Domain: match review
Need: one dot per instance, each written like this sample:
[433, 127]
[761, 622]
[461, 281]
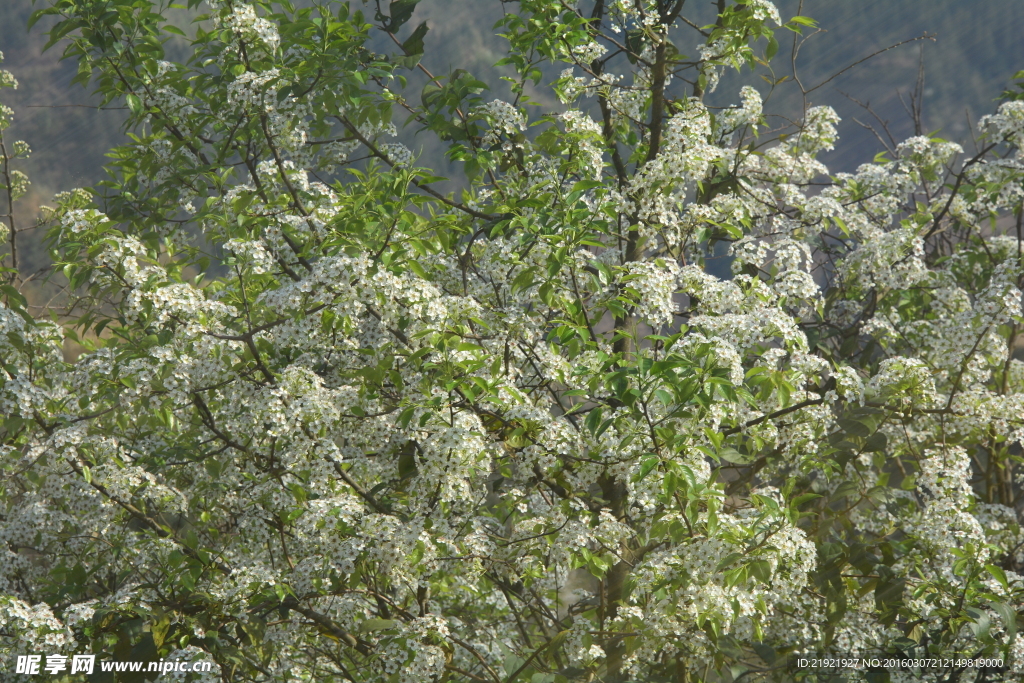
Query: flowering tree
[519, 433]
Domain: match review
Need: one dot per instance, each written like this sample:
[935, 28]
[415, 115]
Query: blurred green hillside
[977, 48]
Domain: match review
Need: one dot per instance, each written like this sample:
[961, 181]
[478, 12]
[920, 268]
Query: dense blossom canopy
[521, 432]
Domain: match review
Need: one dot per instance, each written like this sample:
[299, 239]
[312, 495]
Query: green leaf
[998, 574]
[557, 642]
[635, 44]
[159, 630]
[37, 15]
[406, 416]
[847, 488]
[407, 467]
[854, 427]
[876, 443]
[766, 653]
[729, 560]
[889, 591]
[370, 625]
[134, 103]
[401, 12]
[735, 457]
[646, 467]
[981, 624]
[1009, 616]
[413, 45]
[803, 498]
[761, 570]
[524, 280]
[803, 21]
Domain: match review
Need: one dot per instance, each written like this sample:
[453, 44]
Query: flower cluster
[243, 20]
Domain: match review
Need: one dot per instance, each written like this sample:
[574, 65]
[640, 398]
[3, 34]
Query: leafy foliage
[386, 433]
